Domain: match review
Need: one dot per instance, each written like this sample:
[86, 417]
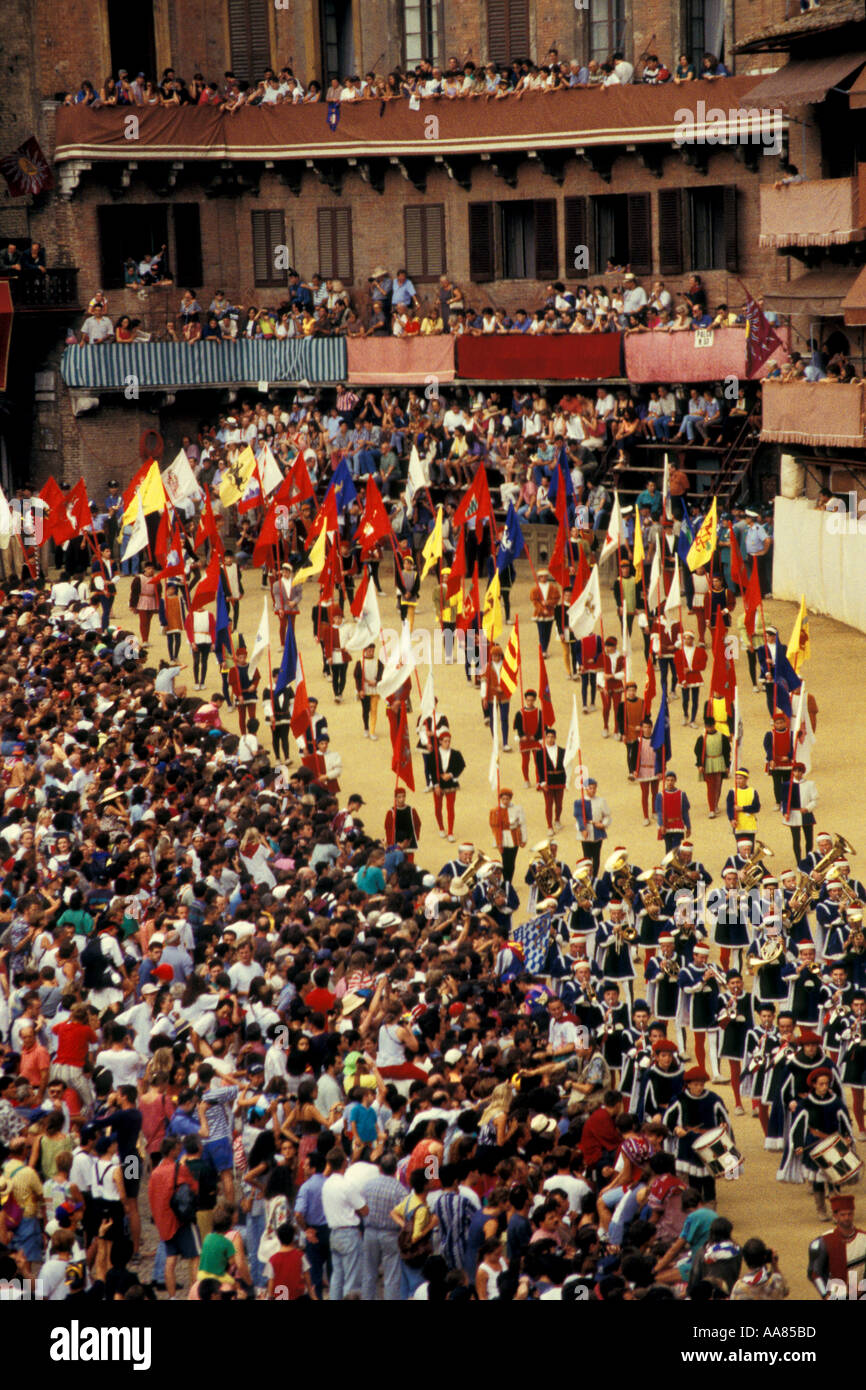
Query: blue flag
[511, 543]
[786, 680]
[289, 663]
[333, 114]
[342, 486]
[686, 538]
[661, 734]
[222, 621]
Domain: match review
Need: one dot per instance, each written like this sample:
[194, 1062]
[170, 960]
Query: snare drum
[717, 1150]
[837, 1159]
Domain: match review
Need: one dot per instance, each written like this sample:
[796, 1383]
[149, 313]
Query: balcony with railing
[54, 291]
[816, 212]
[814, 412]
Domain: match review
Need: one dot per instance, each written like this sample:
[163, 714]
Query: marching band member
[772, 976]
[779, 754]
[741, 857]
[799, 931]
[735, 1020]
[637, 1054]
[728, 908]
[662, 981]
[403, 825]
[799, 799]
[612, 949]
[450, 765]
[852, 1057]
[455, 867]
[818, 1115]
[497, 899]
[699, 986]
[672, 813]
[807, 985]
[837, 993]
[615, 1021]
[580, 994]
[688, 930]
[610, 680]
[648, 769]
[690, 662]
[552, 778]
[823, 845]
[582, 917]
[592, 818]
[494, 693]
[695, 1111]
[829, 921]
[649, 921]
[762, 1042]
[837, 1258]
[713, 759]
[544, 597]
[565, 898]
[528, 725]
[844, 870]
[508, 823]
[664, 1081]
[742, 806]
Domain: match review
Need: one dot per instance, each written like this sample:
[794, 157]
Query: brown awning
[804, 81]
[854, 303]
[818, 292]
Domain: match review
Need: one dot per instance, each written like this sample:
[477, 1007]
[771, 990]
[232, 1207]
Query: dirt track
[781, 1214]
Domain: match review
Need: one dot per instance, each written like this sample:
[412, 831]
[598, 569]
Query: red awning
[593, 357]
[6, 312]
[804, 81]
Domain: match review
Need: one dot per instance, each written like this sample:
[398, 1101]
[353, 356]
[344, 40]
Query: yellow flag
[317, 558]
[704, 542]
[234, 484]
[638, 543]
[491, 617]
[152, 495]
[433, 545]
[799, 645]
[720, 710]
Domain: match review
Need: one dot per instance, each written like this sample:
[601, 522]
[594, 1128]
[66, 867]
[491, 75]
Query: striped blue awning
[116, 366]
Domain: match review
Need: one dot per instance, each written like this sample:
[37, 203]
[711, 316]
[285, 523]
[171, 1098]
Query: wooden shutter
[670, 207]
[507, 30]
[546, 248]
[729, 208]
[335, 244]
[249, 38]
[579, 231]
[640, 254]
[424, 225]
[481, 263]
[269, 232]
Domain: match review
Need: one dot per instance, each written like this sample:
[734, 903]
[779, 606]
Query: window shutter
[435, 241]
[335, 244]
[640, 233]
[481, 265]
[729, 206]
[546, 248]
[413, 218]
[326, 241]
[269, 232]
[249, 38]
[507, 30]
[670, 207]
[518, 28]
[578, 233]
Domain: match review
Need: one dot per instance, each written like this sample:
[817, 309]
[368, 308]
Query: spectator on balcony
[192, 329]
[381, 286]
[634, 298]
[10, 261]
[97, 328]
[724, 318]
[211, 331]
[696, 409]
[313, 93]
[712, 68]
[790, 174]
[624, 70]
[123, 89]
[684, 70]
[660, 298]
[578, 74]
[126, 330]
[681, 322]
[654, 72]
[299, 293]
[189, 305]
[108, 92]
[33, 259]
[608, 75]
[138, 89]
[403, 293]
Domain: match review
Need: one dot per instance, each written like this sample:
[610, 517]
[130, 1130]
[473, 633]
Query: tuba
[834, 876]
[584, 893]
[650, 895]
[840, 849]
[754, 870]
[479, 866]
[802, 898]
[616, 865]
[548, 875]
[675, 870]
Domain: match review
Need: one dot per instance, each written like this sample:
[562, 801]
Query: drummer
[695, 1111]
[821, 1115]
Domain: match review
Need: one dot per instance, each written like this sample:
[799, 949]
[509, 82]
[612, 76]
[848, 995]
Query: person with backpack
[172, 1192]
[26, 1196]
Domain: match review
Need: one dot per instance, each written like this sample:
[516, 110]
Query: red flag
[160, 543]
[268, 540]
[649, 693]
[723, 681]
[174, 542]
[581, 578]
[558, 564]
[761, 339]
[206, 589]
[356, 607]
[548, 713]
[251, 500]
[476, 503]
[26, 170]
[332, 573]
[296, 486]
[72, 516]
[300, 711]
[326, 516]
[375, 525]
[207, 529]
[752, 597]
[137, 479]
[471, 605]
[401, 760]
[739, 573]
[52, 494]
[455, 579]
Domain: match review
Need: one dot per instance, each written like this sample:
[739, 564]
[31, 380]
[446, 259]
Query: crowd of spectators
[425, 82]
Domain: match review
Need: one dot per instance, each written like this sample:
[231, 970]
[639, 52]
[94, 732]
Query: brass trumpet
[624, 933]
[669, 966]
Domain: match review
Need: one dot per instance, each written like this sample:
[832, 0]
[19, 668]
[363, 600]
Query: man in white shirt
[564, 1036]
[343, 1207]
[634, 297]
[63, 593]
[244, 970]
[623, 71]
[96, 329]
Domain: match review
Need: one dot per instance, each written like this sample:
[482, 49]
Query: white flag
[6, 524]
[427, 708]
[399, 666]
[666, 490]
[493, 774]
[263, 637]
[585, 612]
[804, 734]
[626, 645]
[179, 480]
[138, 535]
[654, 581]
[355, 635]
[674, 598]
[735, 727]
[269, 471]
[614, 531]
[417, 478]
[572, 743]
